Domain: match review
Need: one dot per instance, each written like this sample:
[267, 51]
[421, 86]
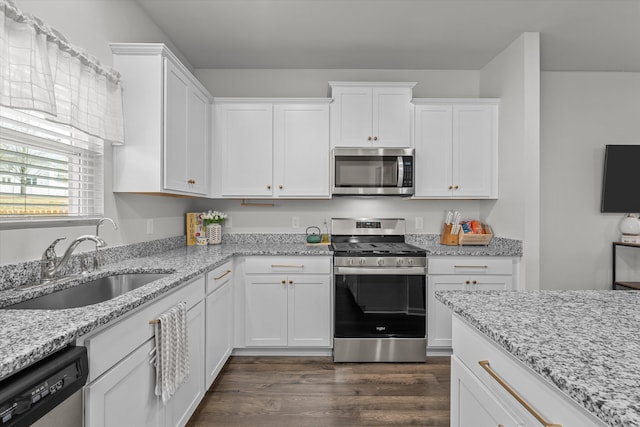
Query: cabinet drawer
[288, 265]
[471, 347]
[111, 345]
[219, 276]
[470, 265]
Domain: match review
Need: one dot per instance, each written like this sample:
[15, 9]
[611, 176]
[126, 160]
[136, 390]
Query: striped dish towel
[172, 351]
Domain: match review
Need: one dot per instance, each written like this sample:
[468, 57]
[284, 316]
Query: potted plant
[212, 221]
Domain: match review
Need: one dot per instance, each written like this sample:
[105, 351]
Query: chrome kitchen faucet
[96, 258]
[50, 266]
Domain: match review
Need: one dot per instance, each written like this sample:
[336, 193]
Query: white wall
[92, 25]
[514, 77]
[581, 113]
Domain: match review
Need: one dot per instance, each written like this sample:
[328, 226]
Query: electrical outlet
[295, 222]
[150, 226]
[227, 222]
[419, 223]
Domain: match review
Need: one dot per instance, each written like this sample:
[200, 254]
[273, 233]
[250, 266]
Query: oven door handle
[397, 271]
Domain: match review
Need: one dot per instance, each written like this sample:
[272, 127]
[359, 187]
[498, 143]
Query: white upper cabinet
[456, 148]
[272, 148]
[365, 114]
[167, 123]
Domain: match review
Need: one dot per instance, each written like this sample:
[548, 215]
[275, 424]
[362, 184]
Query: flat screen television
[620, 184]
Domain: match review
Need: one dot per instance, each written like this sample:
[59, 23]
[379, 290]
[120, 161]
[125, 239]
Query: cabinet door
[472, 404]
[176, 100]
[197, 141]
[266, 311]
[186, 399]
[124, 395]
[391, 117]
[301, 150]
[245, 135]
[351, 117]
[474, 150]
[309, 310]
[433, 150]
[219, 330]
[439, 315]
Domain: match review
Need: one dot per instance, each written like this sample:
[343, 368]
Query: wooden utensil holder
[446, 238]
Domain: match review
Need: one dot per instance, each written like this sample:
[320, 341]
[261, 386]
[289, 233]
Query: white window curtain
[41, 71]
[58, 105]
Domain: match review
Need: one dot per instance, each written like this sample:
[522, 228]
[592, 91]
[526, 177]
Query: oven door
[380, 302]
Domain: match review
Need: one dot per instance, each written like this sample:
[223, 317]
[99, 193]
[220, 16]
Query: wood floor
[313, 391]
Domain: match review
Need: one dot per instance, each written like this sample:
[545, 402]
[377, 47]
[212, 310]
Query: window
[58, 106]
[47, 170]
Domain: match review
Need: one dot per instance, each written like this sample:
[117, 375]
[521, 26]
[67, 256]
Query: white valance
[41, 71]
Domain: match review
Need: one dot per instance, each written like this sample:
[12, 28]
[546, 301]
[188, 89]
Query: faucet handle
[50, 252]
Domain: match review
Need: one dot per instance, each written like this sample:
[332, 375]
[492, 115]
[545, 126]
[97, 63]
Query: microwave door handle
[400, 171]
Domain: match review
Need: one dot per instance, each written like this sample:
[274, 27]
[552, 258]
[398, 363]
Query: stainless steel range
[380, 292]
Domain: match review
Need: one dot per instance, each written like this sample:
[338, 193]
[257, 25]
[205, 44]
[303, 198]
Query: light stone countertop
[585, 343]
[27, 336]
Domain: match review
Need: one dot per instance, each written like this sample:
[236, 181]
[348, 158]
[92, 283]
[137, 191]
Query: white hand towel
[172, 351]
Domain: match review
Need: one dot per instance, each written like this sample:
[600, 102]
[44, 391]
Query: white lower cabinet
[478, 399]
[456, 274]
[219, 324]
[121, 388]
[125, 395]
[290, 306]
[475, 405]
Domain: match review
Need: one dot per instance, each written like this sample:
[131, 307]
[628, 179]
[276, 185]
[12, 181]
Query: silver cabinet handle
[287, 265]
[223, 274]
[512, 392]
[470, 266]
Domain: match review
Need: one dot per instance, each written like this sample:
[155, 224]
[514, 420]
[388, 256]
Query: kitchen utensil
[313, 237]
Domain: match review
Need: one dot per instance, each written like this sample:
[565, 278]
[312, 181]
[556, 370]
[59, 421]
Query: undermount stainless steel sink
[92, 292]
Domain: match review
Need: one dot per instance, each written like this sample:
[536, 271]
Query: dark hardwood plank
[313, 391]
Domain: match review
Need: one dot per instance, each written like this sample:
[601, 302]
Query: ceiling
[575, 35]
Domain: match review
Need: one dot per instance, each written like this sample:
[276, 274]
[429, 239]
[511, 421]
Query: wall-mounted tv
[621, 179]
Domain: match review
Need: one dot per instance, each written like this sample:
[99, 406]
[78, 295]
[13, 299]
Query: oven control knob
[350, 261]
[362, 261]
[380, 261]
[400, 261]
[410, 261]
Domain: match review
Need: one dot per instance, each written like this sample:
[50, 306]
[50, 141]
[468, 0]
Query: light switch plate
[150, 226]
[295, 222]
[419, 223]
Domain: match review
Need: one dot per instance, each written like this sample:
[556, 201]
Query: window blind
[48, 170]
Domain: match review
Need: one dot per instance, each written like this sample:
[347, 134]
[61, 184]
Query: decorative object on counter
[313, 237]
[212, 221]
[195, 227]
[325, 232]
[469, 232]
[202, 241]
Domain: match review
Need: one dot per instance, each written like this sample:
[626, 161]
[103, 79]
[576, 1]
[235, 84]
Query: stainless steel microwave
[372, 171]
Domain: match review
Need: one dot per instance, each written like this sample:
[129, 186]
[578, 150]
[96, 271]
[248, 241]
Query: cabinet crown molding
[238, 100]
[455, 101]
[373, 84]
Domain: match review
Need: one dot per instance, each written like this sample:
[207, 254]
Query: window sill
[21, 223]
